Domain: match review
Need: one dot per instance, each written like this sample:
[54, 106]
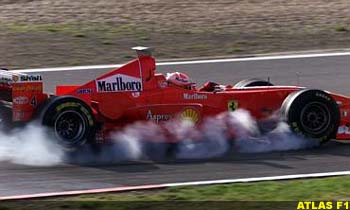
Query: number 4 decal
[33, 102]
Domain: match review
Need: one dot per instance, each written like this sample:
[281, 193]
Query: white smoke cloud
[240, 130]
[279, 139]
[277, 135]
[208, 141]
[29, 146]
[237, 131]
[124, 145]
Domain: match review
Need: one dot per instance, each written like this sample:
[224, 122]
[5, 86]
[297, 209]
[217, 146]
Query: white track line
[177, 184]
[279, 57]
[260, 179]
[71, 68]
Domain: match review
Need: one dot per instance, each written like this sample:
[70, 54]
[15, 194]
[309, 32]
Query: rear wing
[23, 92]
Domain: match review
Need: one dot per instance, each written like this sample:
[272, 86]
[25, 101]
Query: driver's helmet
[179, 79]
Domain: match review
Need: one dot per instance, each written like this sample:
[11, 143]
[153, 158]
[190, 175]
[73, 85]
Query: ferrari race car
[88, 113]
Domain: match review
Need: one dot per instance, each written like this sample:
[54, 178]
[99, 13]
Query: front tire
[71, 120]
[312, 113]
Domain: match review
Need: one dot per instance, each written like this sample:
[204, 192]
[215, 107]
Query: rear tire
[312, 113]
[252, 83]
[5, 117]
[71, 120]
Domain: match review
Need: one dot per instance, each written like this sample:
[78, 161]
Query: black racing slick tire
[71, 120]
[5, 117]
[312, 113]
[252, 83]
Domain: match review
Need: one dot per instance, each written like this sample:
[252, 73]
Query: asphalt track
[331, 73]
[328, 73]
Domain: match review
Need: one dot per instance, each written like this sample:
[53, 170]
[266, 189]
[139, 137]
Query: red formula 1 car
[135, 92]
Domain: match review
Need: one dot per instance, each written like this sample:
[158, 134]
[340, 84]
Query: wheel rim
[70, 127]
[315, 118]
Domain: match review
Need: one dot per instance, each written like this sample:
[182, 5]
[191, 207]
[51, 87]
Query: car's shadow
[105, 160]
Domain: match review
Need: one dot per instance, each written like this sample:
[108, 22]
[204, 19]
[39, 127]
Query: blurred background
[48, 33]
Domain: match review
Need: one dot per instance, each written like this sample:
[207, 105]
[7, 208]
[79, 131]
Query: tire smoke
[239, 132]
[32, 145]
[124, 145]
[279, 139]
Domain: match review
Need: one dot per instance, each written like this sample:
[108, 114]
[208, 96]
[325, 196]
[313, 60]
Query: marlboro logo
[119, 83]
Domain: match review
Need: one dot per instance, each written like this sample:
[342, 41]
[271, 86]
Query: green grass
[309, 189]
[234, 50]
[341, 28]
[75, 29]
[78, 43]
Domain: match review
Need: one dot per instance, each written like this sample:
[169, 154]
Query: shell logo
[15, 78]
[190, 114]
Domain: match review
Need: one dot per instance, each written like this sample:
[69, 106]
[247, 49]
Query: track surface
[331, 73]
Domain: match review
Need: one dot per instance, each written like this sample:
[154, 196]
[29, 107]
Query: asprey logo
[157, 117]
[119, 83]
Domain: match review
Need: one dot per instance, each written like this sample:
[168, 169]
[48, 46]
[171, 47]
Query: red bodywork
[136, 92]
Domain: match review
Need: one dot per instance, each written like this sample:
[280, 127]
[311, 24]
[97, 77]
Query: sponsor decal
[67, 104]
[88, 115]
[195, 96]
[20, 100]
[163, 84]
[232, 105]
[157, 117]
[18, 115]
[321, 95]
[85, 91]
[5, 80]
[27, 88]
[190, 114]
[136, 94]
[344, 129]
[15, 78]
[27, 78]
[119, 83]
